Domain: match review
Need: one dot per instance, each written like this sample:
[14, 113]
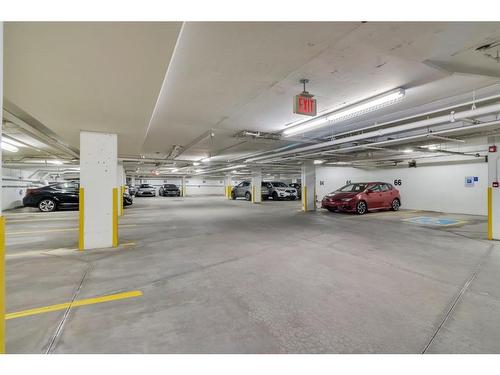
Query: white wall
[14, 185]
[194, 185]
[433, 188]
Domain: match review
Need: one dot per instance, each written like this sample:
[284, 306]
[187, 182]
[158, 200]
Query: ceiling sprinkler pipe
[388, 131]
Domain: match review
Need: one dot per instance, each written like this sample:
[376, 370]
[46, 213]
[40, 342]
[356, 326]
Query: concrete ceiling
[91, 76]
[228, 77]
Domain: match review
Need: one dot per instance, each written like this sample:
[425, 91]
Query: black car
[63, 195]
[169, 190]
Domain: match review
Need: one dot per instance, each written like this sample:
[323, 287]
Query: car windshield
[168, 186]
[279, 184]
[353, 188]
[146, 186]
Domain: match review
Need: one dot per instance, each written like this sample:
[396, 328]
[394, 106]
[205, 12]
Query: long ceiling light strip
[352, 111]
[8, 147]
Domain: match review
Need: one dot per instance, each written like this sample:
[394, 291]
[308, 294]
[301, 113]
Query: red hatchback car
[363, 196]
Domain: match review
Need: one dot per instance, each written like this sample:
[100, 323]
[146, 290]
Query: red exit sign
[304, 105]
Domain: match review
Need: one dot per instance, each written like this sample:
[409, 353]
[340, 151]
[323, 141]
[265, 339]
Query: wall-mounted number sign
[304, 104]
[398, 182]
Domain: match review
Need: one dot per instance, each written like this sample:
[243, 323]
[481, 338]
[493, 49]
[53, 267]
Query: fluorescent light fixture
[407, 150]
[12, 142]
[305, 126]
[198, 170]
[9, 147]
[319, 161]
[196, 163]
[432, 147]
[174, 170]
[352, 111]
[56, 162]
[205, 160]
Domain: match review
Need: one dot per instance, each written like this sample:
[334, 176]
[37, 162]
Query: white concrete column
[2, 219]
[183, 187]
[493, 192]
[228, 184]
[120, 184]
[256, 185]
[98, 191]
[308, 180]
[132, 181]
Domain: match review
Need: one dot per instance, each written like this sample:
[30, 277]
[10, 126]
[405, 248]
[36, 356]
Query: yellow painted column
[81, 219]
[304, 198]
[122, 212]
[115, 217]
[490, 213]
[2, 285]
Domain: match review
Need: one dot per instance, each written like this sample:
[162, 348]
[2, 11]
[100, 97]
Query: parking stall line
[83, 302]
[59, 230]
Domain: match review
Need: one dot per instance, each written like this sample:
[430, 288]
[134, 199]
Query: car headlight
[346, 199]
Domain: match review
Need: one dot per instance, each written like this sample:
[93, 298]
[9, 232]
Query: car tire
[395, 204]
[265, 197]
[292, 198]
[275, 196]
[47, 205]
[233, 195]
[361, 208]
[331, 209]
[248, 196]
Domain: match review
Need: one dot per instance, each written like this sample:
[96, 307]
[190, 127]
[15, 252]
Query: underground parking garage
[321, 201]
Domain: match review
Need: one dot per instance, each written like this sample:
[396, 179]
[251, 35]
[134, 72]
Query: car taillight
[30, 192]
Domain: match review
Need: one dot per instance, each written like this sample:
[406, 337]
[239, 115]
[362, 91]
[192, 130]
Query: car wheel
[292, 198]
[395, 204]
[361, 207]
[265, 197]
[275, 196]
[233, 195]
[248, 196]
[47, 205]
[331, 209]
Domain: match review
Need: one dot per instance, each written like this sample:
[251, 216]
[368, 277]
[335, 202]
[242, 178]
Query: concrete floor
[222, 276]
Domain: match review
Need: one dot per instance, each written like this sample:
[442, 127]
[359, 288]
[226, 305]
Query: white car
[280, 190]
[146, 190]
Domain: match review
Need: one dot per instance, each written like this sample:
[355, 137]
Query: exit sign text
[304, 105]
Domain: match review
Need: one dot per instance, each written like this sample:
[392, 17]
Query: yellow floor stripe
[59, 230]
[83, 302]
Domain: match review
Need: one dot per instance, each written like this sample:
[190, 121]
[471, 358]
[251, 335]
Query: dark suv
[63, 195]
[169, 190]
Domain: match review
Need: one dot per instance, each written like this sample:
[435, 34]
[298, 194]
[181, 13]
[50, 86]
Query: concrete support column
[256, 185]
[132, 181]
[2, 219]
[308, 180]
[99, 203]
[493, 190]
[229, 185]
[183, 187]
[120, 185]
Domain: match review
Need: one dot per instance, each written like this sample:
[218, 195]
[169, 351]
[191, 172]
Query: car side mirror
[369, 191]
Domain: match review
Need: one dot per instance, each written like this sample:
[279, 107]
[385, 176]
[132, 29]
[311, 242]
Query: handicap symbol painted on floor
[427, 220]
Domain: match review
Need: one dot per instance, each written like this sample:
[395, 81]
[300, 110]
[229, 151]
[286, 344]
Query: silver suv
[280, 190]
[244, 190]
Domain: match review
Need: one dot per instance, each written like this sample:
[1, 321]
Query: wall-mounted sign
[469, 181]
[304, 104]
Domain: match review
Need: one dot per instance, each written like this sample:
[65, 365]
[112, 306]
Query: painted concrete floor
[221, 276]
